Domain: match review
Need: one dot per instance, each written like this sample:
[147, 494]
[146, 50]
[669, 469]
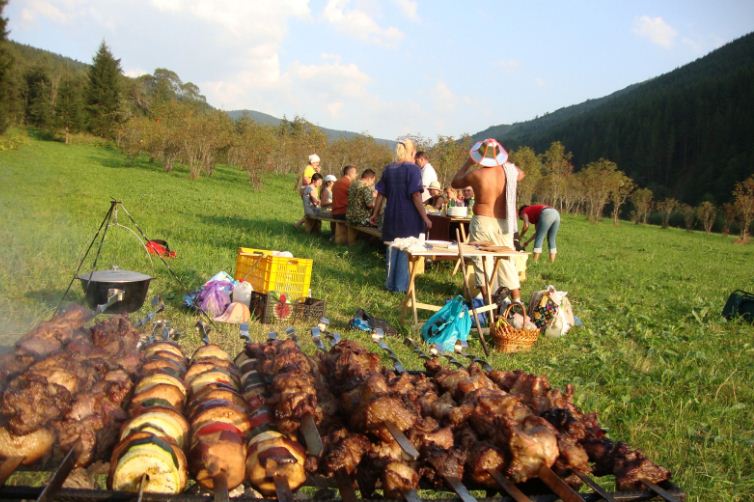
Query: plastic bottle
[242, 292]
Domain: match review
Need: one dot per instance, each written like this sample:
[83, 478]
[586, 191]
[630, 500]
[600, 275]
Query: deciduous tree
[556, 167]
[666, 208]
[447, 155]
[252, 149]
[729, 216]
[706, 212]
[689, 216]
[528, 160]
[743, 199]
[598, 179]
[641, 199]
[622, 188]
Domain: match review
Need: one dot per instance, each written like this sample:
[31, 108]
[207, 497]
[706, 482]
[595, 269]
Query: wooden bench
[345, 233]
[354, 231]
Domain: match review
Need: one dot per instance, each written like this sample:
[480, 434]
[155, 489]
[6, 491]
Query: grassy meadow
[665, 372]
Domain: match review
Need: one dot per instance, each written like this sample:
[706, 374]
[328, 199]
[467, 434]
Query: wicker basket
[263, 307]
[510, 339]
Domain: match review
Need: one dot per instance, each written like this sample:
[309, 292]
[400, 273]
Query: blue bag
[452, 322]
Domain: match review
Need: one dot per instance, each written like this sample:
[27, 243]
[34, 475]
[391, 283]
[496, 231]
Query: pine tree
[69, 108]
[39, 111]
[6, 62]
[103, 93]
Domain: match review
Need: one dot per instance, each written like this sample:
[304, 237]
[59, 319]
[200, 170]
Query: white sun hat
[313, 158]
[330, 177]
[488, 153]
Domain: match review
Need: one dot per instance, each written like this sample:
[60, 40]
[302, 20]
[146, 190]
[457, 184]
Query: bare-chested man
[494, 182]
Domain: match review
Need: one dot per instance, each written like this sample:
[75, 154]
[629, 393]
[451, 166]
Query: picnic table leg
[413, 266]
[489, 280]
[467, 288]
[462, 238]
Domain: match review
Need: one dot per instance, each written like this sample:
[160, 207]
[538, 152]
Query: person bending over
[546, 221]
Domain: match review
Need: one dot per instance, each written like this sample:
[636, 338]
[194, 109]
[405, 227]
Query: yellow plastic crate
[266, 273]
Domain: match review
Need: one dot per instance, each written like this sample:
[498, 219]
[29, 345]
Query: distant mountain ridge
[332, 134]
[688, 133]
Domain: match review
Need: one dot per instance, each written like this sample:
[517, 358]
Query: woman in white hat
[325, 195]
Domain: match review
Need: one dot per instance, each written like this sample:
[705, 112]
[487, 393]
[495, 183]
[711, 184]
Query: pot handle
[114, 295]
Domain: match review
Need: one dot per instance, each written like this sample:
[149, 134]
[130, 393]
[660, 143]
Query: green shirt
[360, 201]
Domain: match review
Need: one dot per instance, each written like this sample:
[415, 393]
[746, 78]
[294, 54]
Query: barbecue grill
[534, 492]
[545, 485]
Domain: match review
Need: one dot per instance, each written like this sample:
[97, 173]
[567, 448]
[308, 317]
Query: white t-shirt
[428, 176]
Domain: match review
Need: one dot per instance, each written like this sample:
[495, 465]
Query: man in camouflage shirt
[361, 199]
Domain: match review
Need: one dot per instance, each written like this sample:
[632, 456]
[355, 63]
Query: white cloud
[409, 8]
[47, 9]
[540, 82]
[359, 24]
[134, 72]
[335, 108]
[511, 65]
[656, 30]
[443, 97]
[241, 19]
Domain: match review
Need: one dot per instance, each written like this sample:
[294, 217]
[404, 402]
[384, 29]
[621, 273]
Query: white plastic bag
[563, 321]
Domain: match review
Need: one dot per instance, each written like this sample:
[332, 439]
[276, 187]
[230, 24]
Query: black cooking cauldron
[115, 291]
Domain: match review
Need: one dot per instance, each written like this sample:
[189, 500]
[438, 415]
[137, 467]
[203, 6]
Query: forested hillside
[332, 134]
[686, 134]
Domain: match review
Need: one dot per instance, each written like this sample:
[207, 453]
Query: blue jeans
[397, 270]
[548, 224]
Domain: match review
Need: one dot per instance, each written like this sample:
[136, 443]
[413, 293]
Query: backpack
[740, 303]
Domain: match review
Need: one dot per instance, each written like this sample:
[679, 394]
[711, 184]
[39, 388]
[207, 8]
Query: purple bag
[214, 297]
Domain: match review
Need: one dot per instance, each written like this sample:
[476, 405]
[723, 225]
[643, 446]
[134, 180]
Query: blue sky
[390, 67]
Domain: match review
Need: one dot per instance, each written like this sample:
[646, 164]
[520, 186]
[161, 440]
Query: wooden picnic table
[462, 252]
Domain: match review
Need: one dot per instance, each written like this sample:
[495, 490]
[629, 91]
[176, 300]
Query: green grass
[665, 372]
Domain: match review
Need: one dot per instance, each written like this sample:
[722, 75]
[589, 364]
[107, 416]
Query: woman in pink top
[546, 219]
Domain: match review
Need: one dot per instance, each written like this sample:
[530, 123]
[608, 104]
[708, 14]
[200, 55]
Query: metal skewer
[345, 486]
[244, 332]
[334, 337]
[557, 485]
[412, 496]
[58, 477]
[220, 488]
[416, 348]
[460, 489]
[378, 336]
[509, 487]
[311, 435]
[142, 486]
[316, 333]
[594, 486]
[660, 491]
[157, 306]
[282, 490]
[406, 445]
[204, 331]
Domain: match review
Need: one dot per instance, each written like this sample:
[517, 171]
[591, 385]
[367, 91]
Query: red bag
[160, 248]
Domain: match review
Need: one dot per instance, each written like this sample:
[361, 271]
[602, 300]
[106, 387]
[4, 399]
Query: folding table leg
[489, 280]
